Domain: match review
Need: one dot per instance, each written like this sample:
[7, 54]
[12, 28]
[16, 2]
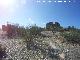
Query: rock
[47, 33]
[62, 56]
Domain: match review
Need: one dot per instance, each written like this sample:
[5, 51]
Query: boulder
[47, 33]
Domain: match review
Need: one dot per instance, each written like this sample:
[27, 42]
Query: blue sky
[29, 12]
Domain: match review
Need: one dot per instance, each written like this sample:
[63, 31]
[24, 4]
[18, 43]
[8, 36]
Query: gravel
[45, 48]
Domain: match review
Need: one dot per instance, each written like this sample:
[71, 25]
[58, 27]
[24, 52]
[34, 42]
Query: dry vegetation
[36, 43]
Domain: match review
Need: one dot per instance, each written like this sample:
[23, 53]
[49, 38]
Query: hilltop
[36, 43]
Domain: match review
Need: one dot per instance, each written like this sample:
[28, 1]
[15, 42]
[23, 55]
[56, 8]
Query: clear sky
[39, 12]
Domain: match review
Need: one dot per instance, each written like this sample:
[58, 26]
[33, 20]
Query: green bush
[53, 26]
[72, 37]
[29, 33]
[35, 30]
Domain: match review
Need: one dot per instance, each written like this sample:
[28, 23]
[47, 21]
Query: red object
[10, 29]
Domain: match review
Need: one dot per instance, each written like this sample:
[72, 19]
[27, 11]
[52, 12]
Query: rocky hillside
[46, 47]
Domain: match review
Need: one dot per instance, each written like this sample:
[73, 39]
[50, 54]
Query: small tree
[49, 26]
[35, 30]
[54, 27]
[57, 24]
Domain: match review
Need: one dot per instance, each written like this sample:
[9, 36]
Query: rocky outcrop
[47, 33]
